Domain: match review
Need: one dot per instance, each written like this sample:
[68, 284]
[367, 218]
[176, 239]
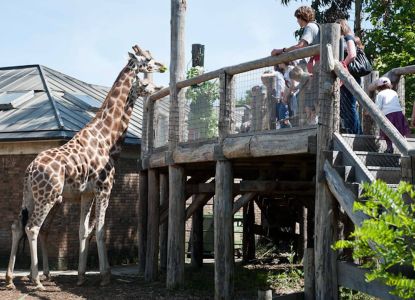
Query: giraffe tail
[24, 217]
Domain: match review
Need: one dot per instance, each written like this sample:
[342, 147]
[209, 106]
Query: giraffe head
[143, 62]
[143, 87]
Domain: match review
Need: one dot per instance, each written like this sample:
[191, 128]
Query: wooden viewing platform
[237, 168]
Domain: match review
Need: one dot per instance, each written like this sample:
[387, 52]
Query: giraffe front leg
[104, 269]
[17, 233]
[84, 232]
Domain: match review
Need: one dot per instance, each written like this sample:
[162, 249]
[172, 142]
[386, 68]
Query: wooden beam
[248, 236]
[196, 256]
[242, 201]
[194, 153]
[353, 277]
[309, 279]
[289, 141]
[223, 231]
[325, 225]
[142, 221]
[343, 195]
[164, 200]
[270, 185]
[200, 188]
[152, 253]
[176, 237]
[199, 201]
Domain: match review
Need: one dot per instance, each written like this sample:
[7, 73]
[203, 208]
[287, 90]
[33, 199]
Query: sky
[89, 39]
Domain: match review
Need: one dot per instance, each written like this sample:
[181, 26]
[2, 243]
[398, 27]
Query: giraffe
[82, 168]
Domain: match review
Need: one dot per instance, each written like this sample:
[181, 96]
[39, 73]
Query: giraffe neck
[114, 115]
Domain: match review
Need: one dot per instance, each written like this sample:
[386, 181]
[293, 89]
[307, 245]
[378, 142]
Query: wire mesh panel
[269, 99]
[202, 111]
[161, 122]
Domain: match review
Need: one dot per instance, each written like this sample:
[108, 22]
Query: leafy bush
[385, 241]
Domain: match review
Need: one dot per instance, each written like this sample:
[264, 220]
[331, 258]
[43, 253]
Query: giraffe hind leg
[43, 236]
[17, 235]
[32, 231]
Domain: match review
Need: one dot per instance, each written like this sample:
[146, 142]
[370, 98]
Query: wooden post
[309, 274]
[198, 59]
[248, 236]
[198, 55]
[164, 199]
[197, 237]
[176, 238]
[226, 106]
[325, 257]
[269, 107]
[151, 271]
[223, 205]
[142, 221]
[175, 241]
[400, 89]
[223, 231]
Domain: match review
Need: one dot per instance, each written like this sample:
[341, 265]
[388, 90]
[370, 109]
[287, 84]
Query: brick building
[41, 108]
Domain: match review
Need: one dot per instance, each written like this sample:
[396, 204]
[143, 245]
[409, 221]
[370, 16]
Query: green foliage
[201, 97]
[390, 41]
[348, 294]
[246, 99]
[328, 11]
[386, 238]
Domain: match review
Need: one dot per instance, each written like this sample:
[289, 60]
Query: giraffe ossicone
[82, 168]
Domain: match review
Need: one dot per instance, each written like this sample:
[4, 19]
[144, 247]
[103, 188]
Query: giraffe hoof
[40, 287]
[106, 279]
[10, 286]
[81, 280]
[46, 277]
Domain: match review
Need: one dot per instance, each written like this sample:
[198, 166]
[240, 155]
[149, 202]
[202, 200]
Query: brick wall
[121, 218]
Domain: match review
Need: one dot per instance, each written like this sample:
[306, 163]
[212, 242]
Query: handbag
[361, 65]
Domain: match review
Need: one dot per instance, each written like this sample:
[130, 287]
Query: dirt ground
[64, 287]
[199, 285]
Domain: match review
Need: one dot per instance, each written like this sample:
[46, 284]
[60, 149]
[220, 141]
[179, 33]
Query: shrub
[385, 241]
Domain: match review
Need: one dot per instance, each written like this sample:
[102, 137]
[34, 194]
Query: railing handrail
[240, 68]
[371, 107]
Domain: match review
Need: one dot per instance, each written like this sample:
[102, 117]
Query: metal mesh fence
[267, 99]
[202, 111]
[161, 122]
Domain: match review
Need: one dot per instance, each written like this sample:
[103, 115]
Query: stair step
[335, 157]
[390, 175]
[346, 173]
[362, 142]
[379, 159]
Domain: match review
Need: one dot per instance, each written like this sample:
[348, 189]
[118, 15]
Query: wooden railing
[371, 108]
[244, 67]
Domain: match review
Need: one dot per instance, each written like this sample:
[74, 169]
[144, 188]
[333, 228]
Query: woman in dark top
[350, 122]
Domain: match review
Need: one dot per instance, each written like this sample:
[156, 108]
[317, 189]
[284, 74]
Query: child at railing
[388, 102]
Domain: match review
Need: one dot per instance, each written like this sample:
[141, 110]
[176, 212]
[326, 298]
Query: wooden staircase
[354, 160]
[361, 158]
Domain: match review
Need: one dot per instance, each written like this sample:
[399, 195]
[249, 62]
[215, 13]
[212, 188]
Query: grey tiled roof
[37, 102]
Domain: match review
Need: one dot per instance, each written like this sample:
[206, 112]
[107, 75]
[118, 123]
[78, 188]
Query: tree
[328, 11]
[391, 40]
[203, 119]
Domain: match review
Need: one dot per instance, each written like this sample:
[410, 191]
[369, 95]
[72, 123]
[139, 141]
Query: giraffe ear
[130, 55]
